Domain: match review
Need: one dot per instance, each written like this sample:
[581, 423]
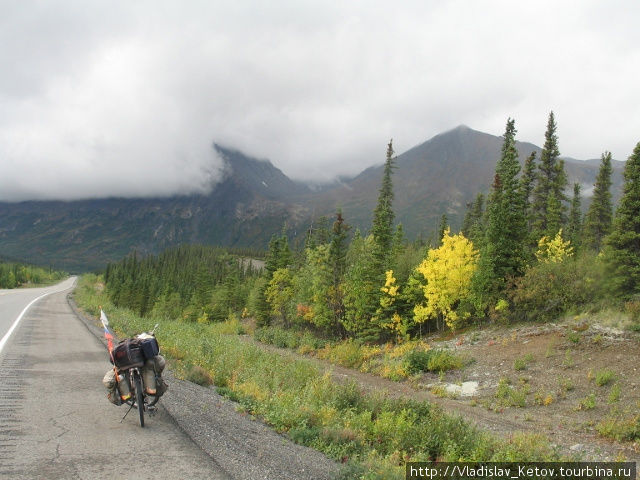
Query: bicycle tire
[139, 396]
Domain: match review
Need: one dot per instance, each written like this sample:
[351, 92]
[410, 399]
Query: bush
[348, 354]
[197, 374]
[432, 361]
[510, 397]
[621, 429]
[521, 363]
[547, 290]
[604, 377]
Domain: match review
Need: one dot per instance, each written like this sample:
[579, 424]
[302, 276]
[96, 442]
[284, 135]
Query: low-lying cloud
[126, 99]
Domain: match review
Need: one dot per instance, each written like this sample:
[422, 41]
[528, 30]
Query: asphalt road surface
[55, 422]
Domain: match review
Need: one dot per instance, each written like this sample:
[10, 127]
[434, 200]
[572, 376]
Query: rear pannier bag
[128, 354]
[149, 346]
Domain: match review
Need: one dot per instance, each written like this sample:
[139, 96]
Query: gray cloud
[126, 98]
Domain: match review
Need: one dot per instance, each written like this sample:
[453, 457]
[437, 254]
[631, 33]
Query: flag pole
[107, 334]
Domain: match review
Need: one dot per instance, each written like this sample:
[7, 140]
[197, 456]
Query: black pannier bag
[128, 354]
[149, 346]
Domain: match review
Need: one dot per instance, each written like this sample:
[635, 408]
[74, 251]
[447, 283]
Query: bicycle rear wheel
[139, 396]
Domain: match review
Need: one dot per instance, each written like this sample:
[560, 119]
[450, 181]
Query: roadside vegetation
[525, 255]
[16, 275]
[371, 434]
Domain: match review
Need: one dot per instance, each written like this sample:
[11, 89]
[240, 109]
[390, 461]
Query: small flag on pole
[107, 334]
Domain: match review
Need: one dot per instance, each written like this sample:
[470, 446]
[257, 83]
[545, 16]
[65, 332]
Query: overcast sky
[126, 97]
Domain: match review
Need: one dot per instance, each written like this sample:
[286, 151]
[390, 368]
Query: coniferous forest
[525, 252]
[16, 274]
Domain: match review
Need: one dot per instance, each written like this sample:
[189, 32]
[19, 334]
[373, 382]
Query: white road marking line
[15, 324]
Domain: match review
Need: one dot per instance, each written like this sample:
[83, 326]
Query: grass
[587, 403]
[614, 394]
[521, 363]
[543, 398]
[605, 377]
[395, 362]
[509, 396]
[574, 337]
[376, 434]
[620, 427]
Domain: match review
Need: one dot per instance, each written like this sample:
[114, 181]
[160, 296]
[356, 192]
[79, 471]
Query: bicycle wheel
[139, 396]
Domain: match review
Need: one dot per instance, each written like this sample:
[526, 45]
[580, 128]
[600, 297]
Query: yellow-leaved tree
[553, 251]
[447, 271]
[388, 313]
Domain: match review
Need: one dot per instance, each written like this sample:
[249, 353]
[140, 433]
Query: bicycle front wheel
[139, 396]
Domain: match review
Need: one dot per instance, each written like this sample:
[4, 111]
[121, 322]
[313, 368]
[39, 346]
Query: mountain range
[255, 199]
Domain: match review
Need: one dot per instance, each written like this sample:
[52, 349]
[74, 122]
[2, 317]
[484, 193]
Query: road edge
[193, 428]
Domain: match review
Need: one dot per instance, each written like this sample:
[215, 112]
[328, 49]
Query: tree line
[190, 282]
[15, 274]
[525, 252]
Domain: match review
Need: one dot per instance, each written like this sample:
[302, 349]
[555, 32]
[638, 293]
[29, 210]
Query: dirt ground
[555, 368]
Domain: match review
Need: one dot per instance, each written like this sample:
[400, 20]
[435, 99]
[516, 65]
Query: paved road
[55, 421]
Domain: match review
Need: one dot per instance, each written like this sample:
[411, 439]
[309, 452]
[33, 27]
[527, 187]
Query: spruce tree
[383, 216]
[527, 183]
[473, 223]
[624, 240]
[548, 208]
[503, 250]
[599, 216]
[442, 227]
[373, 266]
[574, 230]
[338, 248]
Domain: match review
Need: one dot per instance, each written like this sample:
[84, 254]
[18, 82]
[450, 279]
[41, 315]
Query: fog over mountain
[254, 200]
[126, 98]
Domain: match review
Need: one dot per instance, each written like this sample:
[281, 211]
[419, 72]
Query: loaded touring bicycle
[136, 376]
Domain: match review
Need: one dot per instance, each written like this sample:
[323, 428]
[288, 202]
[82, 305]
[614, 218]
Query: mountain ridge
[254, 199]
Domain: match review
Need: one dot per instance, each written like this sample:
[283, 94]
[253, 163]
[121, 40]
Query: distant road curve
[14, 304]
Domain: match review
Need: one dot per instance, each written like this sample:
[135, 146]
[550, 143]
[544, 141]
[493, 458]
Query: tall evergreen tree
[369, 270]
[383, 216]
[338, 248]
[600, 213]
[279, 254]
[442, 227]
[473, 223]
[527, 183]
[549, 209]
[624, 240]
[574, 230]
[318, 234]
[503, 250]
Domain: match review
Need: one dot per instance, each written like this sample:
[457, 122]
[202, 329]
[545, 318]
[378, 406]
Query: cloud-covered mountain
[255, 199]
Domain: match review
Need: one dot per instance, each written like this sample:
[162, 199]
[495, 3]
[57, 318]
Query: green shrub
[197, 374]
[621, 429]
[573, 337]
[604, 377]
[432, 361]
[521, 363]
[587, 403]
[510, 397]
[348, 354]
[547, 290]
[614, 394]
